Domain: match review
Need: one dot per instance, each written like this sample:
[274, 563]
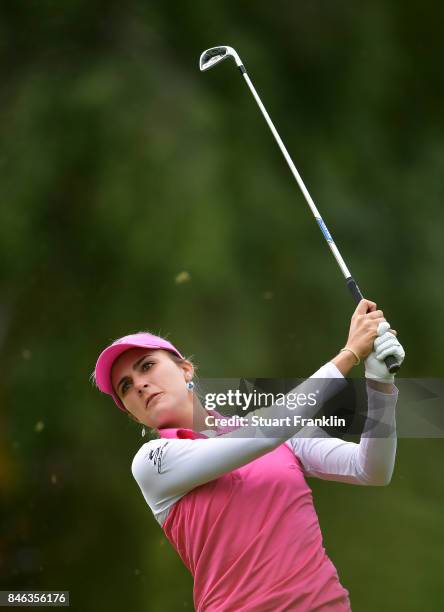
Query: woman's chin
[163, 419]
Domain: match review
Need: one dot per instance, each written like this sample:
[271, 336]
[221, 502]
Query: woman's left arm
[371, 462]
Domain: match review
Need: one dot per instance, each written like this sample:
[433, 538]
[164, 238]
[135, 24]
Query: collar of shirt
[182, 432]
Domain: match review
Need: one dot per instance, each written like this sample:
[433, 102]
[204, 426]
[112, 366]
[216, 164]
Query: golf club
[212, 57]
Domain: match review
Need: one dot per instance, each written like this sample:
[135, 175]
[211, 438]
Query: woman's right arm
[168, 468]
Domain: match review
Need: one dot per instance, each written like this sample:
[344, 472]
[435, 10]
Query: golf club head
[215, 55]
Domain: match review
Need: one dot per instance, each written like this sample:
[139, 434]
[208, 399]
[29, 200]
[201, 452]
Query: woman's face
[151, 386]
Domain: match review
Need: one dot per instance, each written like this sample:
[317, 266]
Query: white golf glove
[385, 344]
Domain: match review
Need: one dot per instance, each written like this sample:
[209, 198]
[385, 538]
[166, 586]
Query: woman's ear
[188, 369]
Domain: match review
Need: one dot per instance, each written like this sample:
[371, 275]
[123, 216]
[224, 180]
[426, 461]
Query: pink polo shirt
[252, 541]
[240, 513]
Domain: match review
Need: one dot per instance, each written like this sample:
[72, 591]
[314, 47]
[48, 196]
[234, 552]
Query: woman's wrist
[344, 361]
[380, 386]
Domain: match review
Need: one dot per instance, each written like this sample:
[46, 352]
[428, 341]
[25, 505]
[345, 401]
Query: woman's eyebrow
[135, 365]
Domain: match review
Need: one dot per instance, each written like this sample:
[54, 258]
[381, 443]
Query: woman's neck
[194, 417]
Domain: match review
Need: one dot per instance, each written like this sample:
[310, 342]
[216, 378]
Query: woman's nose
[141, 387]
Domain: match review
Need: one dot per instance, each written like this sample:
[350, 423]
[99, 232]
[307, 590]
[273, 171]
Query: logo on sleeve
[155, 456]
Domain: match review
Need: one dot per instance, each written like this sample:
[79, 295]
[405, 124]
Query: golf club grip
[390, 361]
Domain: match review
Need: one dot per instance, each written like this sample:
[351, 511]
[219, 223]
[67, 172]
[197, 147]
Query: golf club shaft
[390, 361]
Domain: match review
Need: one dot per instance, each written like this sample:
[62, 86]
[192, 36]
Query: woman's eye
[125, 385]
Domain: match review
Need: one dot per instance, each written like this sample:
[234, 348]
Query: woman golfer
[237, 508]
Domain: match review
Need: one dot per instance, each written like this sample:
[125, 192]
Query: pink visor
[107, 357]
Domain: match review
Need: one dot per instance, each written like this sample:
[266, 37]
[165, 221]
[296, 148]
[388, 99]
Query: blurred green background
[137, 193]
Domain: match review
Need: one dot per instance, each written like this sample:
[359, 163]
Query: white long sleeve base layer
[166, 469]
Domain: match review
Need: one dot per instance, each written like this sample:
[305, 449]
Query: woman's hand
[364, 328]
[361, 336]
[385, 344]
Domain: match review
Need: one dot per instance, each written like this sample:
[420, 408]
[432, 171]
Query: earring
[143, 432]
[190, 385]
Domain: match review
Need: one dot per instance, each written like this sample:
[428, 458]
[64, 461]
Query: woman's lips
[151, 399]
